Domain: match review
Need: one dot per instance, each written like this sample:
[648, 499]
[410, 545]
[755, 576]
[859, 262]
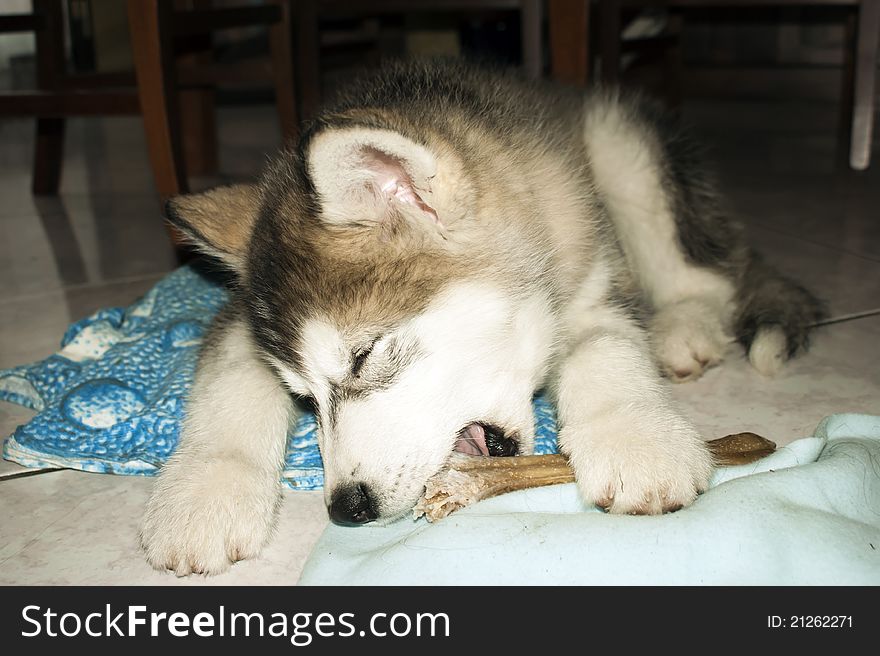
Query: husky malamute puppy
[442, 243]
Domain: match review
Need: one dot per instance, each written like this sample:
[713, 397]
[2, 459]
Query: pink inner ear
[394, 182]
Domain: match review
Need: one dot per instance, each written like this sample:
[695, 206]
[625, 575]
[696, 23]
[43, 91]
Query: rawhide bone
[468, 479]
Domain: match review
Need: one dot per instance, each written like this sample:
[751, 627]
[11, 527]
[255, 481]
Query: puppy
[442, 243]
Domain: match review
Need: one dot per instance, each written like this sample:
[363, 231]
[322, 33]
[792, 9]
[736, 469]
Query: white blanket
[808, 514]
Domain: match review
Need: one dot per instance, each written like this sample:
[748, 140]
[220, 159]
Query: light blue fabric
[808, 514]
[112, 398]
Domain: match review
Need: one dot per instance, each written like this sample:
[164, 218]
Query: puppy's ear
[365, 176]
[219, 221]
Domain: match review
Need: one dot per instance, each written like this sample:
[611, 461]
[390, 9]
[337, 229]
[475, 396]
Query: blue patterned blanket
[111, 400]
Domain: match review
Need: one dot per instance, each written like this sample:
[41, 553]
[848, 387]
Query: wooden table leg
[867, 36]
[570, 40]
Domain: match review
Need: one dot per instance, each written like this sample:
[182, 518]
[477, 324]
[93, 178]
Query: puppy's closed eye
[360, 358]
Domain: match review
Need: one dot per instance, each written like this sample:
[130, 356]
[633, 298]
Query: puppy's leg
[215, 500]
[689, 336]
[631, 450]
[684, 250]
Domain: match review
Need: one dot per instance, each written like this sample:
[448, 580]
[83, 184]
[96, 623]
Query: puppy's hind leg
[683, 249]
[774, 316]
[215, 500]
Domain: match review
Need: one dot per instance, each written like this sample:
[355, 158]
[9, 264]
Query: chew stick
[468, 479]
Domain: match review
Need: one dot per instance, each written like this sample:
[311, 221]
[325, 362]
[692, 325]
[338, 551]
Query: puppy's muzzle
[352, 506]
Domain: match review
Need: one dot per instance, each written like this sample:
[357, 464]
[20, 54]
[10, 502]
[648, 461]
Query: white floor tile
[71, 528]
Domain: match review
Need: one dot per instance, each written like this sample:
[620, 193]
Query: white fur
[632, 451]
[627, 172]
[767, 353]
[694, 305]
[215, 500]
[482, 355]
[295, 383]
[325, 357]
[688, 338]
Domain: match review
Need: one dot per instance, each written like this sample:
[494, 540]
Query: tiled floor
[101, 243]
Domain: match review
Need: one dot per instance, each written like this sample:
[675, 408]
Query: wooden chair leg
[609, 41]
[149, 23]
[198, 119]
[570, 40]
[49, 142]
[198, 113]
[867, 37]
[280, 43]
[48, 156]
[530, 31]
[198, 125]
[308, 54]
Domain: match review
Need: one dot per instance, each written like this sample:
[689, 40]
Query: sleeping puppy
[442, 243]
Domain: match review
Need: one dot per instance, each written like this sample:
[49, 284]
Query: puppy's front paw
[638, 462]
[202, 517]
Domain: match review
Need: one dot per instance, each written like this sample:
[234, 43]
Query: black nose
[351, 506]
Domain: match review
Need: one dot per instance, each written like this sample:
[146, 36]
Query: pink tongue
[472, 441]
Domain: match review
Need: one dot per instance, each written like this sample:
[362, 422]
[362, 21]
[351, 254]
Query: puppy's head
[372, 289]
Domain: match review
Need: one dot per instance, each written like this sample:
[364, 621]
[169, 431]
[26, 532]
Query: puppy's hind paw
[769, 350]
[688, 339]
